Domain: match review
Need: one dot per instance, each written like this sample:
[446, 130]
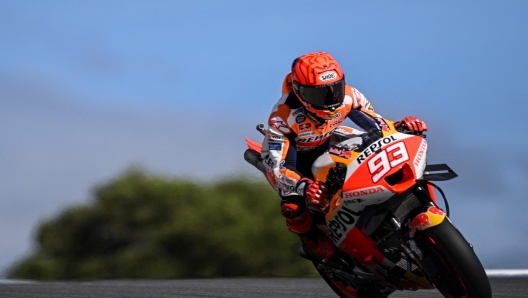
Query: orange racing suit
[295, 139]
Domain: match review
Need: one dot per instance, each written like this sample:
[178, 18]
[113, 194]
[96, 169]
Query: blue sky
[89, 89]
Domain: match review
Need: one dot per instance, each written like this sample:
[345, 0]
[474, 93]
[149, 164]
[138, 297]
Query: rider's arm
[362, 112]
[280, 155]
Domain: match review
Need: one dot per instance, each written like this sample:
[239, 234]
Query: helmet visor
[324, 97]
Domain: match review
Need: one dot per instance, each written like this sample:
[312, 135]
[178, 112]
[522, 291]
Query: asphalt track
[273, 287]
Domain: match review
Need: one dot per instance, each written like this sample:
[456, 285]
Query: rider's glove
[314, 191]
[412, 123]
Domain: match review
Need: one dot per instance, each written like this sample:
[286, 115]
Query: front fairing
[393, 162]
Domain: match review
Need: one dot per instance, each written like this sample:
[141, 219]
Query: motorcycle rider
[315, 101]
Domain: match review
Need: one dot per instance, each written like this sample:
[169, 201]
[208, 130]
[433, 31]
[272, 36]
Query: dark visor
[323, 97]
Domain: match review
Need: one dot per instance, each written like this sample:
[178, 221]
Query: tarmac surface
[258, 287]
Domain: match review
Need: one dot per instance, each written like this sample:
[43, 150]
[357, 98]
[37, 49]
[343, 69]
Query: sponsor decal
[307, 134]
[268, 160]
[286, 187]
[340, 151]
[432, 217]
[341, 222]
[274, 137]
[278, 123]
[336, 123]
[374, 147]
[419, 223]
[383, 162]
[327, 76]
[363, 192]
[420, 154]
[286, 179]
[305, 127]
[275, 146]
[316, 138]
[315, 119]
[286, 183]
[337, 115]
[300, 119]
[336, 120]
[298, 111]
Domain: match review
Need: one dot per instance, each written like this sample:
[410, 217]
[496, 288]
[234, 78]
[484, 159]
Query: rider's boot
[319, 243]
[301, 223]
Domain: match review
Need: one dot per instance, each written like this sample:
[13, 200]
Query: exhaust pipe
[254, 159]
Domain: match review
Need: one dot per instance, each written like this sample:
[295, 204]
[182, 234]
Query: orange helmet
[319, 83]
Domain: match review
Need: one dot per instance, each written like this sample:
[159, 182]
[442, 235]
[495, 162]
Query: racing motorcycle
[381, 212]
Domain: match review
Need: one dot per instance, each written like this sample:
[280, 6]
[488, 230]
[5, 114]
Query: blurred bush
[144, 226]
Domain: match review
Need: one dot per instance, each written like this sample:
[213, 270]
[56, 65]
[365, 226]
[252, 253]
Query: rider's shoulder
[288, 101]
[287, 84]
[352, 91]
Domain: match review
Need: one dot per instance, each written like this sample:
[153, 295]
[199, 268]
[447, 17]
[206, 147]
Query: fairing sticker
[420, 160]
[372, 149]
[367, 196]
[342, 221]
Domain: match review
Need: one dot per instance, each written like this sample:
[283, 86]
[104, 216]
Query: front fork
[428, 215]
[423, 217]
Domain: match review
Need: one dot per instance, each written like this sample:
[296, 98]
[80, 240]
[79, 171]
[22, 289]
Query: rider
[315, 101]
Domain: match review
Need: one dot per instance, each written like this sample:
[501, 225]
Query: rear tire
[459, 271]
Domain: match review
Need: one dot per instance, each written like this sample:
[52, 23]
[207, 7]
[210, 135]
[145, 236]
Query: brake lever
[416, 133]
[404, 130]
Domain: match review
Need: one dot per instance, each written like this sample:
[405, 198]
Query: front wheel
[451, 263]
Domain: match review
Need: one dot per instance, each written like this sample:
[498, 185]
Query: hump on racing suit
[292, 132]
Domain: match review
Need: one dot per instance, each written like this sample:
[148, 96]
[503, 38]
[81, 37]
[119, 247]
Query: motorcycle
[381, 212]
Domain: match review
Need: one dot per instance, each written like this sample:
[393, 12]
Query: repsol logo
[342, 221]
[316, 138]
[328, 76]
[374, 148]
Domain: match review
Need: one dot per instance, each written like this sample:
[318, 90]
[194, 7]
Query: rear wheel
[451, 263]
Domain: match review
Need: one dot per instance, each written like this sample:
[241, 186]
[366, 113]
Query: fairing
[385, 167]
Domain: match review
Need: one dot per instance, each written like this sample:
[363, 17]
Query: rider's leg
[299, 221]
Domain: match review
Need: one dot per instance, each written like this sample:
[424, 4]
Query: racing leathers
[295, 138]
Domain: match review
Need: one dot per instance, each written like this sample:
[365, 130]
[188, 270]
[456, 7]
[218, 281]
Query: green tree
[145, 226]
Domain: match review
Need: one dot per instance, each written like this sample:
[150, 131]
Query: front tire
[456, 271]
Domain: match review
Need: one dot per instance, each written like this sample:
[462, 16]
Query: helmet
[319, 83]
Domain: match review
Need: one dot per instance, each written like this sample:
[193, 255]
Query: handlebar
[411, 132]
[261, 128]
